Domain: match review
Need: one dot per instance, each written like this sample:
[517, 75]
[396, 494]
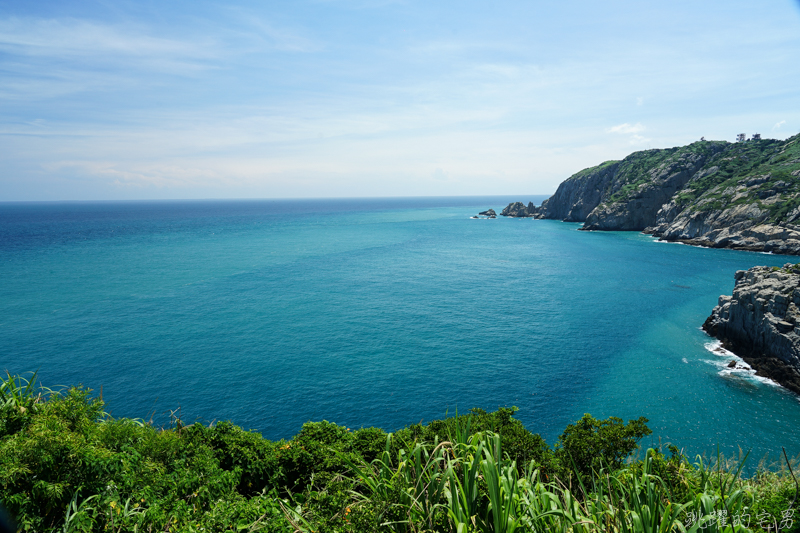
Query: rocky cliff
[579, 194]
[644, 182]
[518, 209]
[712, 193]
[758, 322]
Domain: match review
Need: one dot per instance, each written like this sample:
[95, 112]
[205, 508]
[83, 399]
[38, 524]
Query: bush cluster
[65, 465]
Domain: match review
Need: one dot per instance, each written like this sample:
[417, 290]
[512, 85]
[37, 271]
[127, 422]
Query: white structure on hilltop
[741, 138]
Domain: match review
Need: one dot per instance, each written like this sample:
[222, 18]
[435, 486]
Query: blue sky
[342, 98]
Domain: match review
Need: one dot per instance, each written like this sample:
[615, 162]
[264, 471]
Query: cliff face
[756, 211]
[580, 194]
[644, 182]
[758, 322]
[711, 193]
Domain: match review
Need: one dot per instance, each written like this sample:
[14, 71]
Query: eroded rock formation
[711, 193]
[518, 209]
[757, 322]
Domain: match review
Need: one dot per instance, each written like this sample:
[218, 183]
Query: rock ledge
[758, 322]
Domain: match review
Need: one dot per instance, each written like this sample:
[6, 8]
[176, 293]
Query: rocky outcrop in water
[518, 209]
[742, 195]
[758, 322]
[491, 213]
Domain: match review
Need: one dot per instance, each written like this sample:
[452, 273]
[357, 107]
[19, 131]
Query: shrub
[70, 467]
[590, 444]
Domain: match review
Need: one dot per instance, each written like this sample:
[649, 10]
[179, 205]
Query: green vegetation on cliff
[65, 465]
[591, 170]
[729, 174]
[749, 173]
[638, 169]
[743, 195]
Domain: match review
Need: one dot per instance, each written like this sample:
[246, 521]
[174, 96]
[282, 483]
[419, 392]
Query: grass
[67, 466]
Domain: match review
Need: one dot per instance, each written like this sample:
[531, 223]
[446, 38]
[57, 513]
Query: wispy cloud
[149, 96]
[75, 37]
[44, 59]
[626, 128]
[363, 4]
[280, 155]
[456, 46]
[48, 58]
[162, 175]
[499, 69]
[256, 28]
[633, 130]
[638, 140]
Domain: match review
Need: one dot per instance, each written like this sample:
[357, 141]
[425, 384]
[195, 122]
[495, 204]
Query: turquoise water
[376, 312]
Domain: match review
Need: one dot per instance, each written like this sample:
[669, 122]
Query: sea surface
[377, 312]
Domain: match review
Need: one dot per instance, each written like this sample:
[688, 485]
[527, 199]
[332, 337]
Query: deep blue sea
[376, 312]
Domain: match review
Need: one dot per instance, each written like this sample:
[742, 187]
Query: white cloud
[209, 103]
[626, 128]
[182, 155]
[638, 140]
[441, 175]
[633, 130]
[279, 38]
[47, 58]
[504, 70]
[74, 37]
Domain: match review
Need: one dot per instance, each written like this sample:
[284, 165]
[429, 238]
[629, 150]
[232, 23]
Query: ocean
[377, 312]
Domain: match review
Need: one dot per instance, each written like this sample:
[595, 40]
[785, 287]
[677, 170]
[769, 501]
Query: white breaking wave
[741, 370]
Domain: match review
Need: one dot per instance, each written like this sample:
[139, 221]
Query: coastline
[757, 322]
[768, 367]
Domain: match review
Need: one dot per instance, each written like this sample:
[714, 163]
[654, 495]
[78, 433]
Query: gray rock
[580, 194]
[638, 209]
[518, 209]
[757, 322]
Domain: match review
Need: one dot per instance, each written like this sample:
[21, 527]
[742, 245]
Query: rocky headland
[743, 195]
[758, 322]
[519, 210]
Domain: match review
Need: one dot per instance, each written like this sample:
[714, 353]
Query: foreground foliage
[65, 465]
